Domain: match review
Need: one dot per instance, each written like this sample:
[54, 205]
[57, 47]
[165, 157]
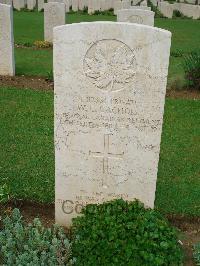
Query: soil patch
[184, 94]
[188, 227]
[24, 82]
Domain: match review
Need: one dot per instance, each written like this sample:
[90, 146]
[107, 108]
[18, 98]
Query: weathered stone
[125, 4]
[166, 9]
[7, 61]
[141, 7]
[75, 5]
[188, 10]
[54, 15]
[31, 4]
[136, 16]
[40, 5]
[67, 5]
[110, 84]
[143, 3]
[18, 4]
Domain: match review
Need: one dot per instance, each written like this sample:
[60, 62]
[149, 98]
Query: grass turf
[28, 27]
[27, 151]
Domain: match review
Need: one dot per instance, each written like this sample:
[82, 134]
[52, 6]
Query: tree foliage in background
[191, 65]
[122, 233]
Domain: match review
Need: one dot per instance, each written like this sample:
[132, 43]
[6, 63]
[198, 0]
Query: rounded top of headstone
[139, 11]
[90, 26]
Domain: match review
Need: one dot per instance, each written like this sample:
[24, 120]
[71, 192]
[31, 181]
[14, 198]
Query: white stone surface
[67, 5]
[136, 16]
[40, 5]
[75, 5]
[54, 15]
[31, 4]
[135, 2]
[18, 4]
[141, 7]
[188, 10]
[7, 61]
[110, 84]
[166, 9]
[125, 4]
[154, 2]
[143, 3]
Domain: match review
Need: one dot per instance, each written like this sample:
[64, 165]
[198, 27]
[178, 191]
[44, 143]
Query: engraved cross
[106, 155]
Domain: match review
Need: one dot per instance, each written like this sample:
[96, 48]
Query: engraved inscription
[109, 63]
[106, 155]
[135, 19]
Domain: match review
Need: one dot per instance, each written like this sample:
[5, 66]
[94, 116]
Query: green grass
[28, 27]
[27, 150]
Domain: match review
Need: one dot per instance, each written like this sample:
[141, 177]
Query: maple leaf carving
[109, 62]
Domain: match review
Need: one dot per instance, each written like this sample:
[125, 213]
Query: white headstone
[31, 4]
[75, 5]
[143, 3]
[141, 7]
[7, 62]
[40, 5]
[67, 5]
[136, 16]
[166, 9]
[110, 84]
[18, 4]
[188, 10]
[135, 2]
[90, 7]
[54, 15]
[125, 4]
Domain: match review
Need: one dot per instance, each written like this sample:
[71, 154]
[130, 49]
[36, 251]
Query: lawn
[28, 27]
[27, 150]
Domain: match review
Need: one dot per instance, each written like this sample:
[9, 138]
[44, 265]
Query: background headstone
[125, 4]
[18, 4]
[54, 15]
[31, 4]
[143, 3]
[7, 61]
[166, 9]
[110, 84]
[136, 16]
[141, 7]
[75, 5]
[67, 5]
[40, 5]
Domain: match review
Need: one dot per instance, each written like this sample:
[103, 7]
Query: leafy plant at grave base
[50, 75]
[43, 44]
[122, 233]
[197, 253]
[33, 244]
[191, 66]
[4, 193]
[109, 12]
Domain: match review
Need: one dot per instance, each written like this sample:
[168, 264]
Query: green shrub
[197, 253]
[122, 233]
[191, 65]
[4, 193]
[32, 244]
[50, 76]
